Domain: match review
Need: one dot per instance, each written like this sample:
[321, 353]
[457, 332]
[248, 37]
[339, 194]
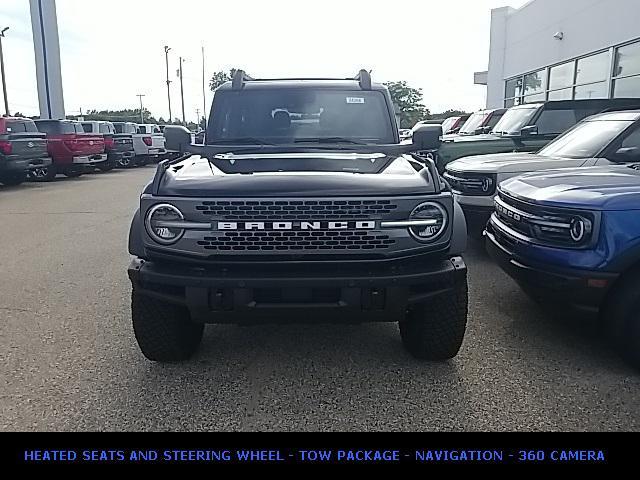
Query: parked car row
[41, 149]
[562, 221]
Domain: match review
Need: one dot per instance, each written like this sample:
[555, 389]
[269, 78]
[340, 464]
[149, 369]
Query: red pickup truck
[72, 150]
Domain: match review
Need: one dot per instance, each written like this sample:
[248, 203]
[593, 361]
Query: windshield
[586, 139]
[514, 120]
[448, 123]
[473, 123]
[300, 115]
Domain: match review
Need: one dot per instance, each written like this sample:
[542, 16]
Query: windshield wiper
[329, 140]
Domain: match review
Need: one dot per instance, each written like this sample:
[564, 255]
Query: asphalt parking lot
[70, 361]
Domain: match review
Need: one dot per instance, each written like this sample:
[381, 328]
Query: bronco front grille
[475, 184]
[296, 241]
[544, 225]
[295, 209]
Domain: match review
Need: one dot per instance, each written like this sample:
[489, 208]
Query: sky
[111, 50]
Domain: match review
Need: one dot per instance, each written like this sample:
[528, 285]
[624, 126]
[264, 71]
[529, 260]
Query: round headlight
[158, 223]
[579, 229]
[435, 218]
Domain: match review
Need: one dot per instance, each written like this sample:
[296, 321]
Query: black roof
[280, 83]
[362, 81]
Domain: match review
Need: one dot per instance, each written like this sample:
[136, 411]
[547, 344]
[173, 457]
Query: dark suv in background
[22, 148]
[528, 128]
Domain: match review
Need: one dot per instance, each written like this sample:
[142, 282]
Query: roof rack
[364, 79]
[240, 78]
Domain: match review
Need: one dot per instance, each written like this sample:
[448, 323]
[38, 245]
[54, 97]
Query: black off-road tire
[621, 317]
[13, 179]
[435, 330]
[126, 162]
[73, 172]
[164, 331]
[43, 174]
[106, 166]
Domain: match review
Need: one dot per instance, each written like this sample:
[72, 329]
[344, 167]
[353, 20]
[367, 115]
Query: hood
[512, 163]
[614, 187]
[295, 174]
[471, 138]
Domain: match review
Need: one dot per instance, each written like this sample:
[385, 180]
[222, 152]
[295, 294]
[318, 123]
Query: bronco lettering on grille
[298, 225]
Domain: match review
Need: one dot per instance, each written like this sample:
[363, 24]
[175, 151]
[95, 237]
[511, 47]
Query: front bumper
[23, 164]
[90, 159]
[583, 291]
[304, 293]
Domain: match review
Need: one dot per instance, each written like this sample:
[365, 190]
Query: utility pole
[198, 117]
[140, 95]
[4, 81]
[184, 121]
[204, 95]
[166, 58]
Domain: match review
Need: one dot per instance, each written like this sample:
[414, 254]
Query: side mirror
[529, 130]
[427, 137]
[177, 138]
[482, 130]
[628, 154]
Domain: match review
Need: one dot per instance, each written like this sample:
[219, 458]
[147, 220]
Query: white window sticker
[355, 100]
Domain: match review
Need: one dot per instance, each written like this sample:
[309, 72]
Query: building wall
[523, 40]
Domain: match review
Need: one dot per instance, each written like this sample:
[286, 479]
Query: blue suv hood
[595, 188]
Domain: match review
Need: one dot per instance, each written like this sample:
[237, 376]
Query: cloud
[112, 50]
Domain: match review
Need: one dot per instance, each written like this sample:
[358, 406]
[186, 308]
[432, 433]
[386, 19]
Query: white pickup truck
[602, 139]
[148, 143]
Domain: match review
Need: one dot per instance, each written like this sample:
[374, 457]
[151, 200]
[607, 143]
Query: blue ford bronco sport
[573, 235]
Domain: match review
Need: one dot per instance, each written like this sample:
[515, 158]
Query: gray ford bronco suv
[302, 206]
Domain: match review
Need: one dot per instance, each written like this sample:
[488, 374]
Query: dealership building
[563, 49]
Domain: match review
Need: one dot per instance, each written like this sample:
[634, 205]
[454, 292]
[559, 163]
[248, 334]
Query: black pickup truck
[302, 206]
[22, 148]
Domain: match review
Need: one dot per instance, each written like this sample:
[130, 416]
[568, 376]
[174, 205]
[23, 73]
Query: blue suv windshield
[586, 139]
[299, 116]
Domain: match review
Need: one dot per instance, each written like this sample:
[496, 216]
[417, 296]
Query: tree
[409, 103]
[220, 77]
[449, 113]
[125, 115]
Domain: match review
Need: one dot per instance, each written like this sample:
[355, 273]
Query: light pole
[140, 95]
[204, 95]
[4, 81]
[166, 58]
[184, 121]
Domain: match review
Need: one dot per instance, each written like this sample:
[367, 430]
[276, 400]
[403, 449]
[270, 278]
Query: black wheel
[106, 166]
[435, 330]
[72, 172]
[13, 179]
[622, 320]
[164, 331]
[43, 174]
[125, 162]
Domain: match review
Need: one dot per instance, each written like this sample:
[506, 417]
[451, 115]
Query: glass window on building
[627, 87]
[563, 94]
[561, 76]
[538, 97]
[592, 90]
[626, 83]
[513, 87]
[627, 60]
[592, 69]
[534, 82]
